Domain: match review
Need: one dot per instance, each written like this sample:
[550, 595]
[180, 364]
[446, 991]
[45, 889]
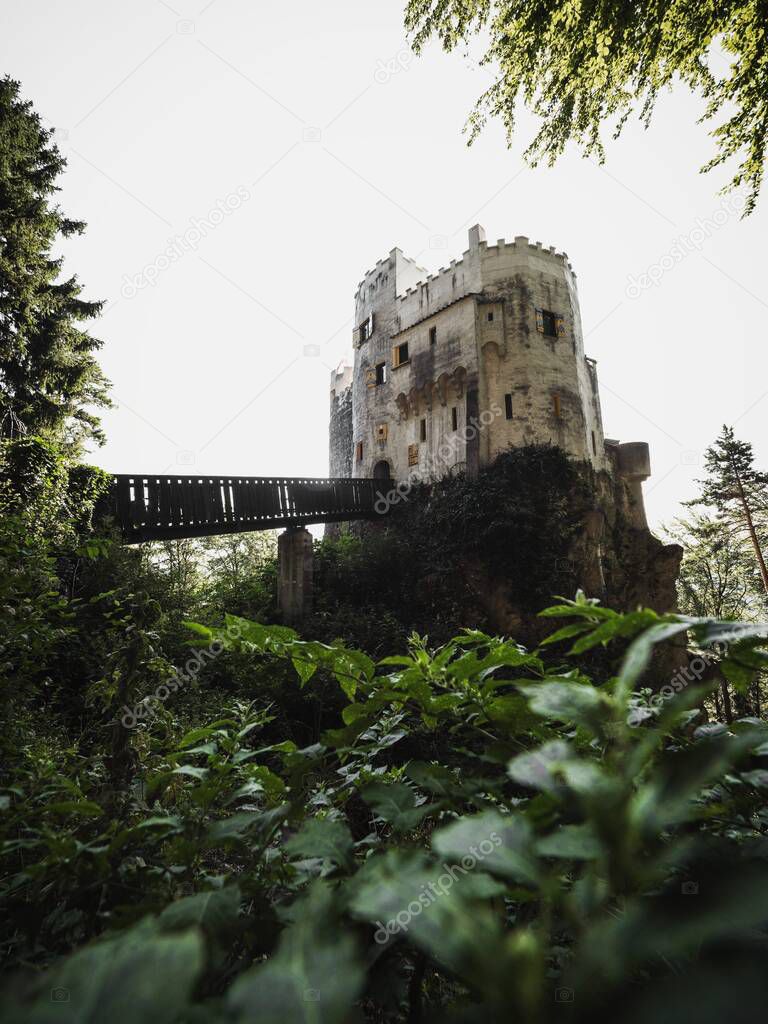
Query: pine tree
[737, 491]
[49, 378]
[718, 575]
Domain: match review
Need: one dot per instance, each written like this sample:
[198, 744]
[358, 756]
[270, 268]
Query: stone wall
[340, 446]
[471, 335]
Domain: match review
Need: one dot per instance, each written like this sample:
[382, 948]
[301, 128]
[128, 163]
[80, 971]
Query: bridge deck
[172, 507]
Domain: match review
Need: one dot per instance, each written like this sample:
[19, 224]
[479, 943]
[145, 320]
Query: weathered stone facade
[340, 431]
[453, 368]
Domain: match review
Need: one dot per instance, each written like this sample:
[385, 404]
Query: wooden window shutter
[413, 455]
[396, 356]
[369, 332]
[359, 451]
[540, 321]
[356, 338]
[560, 326]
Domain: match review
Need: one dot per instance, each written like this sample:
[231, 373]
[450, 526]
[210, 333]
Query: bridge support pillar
[294, 574]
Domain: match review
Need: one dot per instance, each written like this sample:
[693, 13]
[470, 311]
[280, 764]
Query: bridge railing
[166, 507]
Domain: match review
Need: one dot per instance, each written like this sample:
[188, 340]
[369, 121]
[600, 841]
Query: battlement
[341, 379]
[471, 272]
[396, 263]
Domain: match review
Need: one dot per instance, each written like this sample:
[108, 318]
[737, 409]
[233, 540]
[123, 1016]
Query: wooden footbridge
[173, 507]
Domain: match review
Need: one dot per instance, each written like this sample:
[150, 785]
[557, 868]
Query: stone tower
[453, 368]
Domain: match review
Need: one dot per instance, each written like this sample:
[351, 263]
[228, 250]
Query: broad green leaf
[138, 976]
[569, 702]
[396, 804]
[574, 842]
[83, 808]
[639, 654]
[501, 844]
[573, 629]
[437, 906]
[304, 669]
[216, 911]
[433, 777]
[188, 769]
[314, 977]
[322, 837]
[251, 826]
[621, 626]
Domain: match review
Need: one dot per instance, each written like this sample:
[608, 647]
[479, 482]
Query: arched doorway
[382, 470]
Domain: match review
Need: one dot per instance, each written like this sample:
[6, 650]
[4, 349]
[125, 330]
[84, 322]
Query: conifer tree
[737, 491]
[50, 381]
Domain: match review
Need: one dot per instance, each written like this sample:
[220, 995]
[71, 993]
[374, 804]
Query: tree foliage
[738, 492]
[580, 66]
[718, 574]
[50, 381]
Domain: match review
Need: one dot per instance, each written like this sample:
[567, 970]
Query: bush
[575, 850]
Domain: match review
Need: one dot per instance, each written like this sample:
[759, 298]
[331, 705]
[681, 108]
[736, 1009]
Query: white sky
[165, 108]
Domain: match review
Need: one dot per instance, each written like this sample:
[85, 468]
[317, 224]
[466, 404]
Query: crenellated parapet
[483, 355]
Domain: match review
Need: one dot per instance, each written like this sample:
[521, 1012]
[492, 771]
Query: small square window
[381, 432]
[381, 373]
[490, 317]
[423, 430]
[454, 418]
[550, 324]
[508, 406]
[400, 354]
[432, 335]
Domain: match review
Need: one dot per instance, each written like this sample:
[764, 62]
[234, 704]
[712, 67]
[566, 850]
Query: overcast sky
[282, 149]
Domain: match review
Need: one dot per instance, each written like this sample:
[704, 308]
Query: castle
[453, 368]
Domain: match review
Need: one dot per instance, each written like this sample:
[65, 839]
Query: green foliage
[431, 565]
[560, 848]
[580, 67]
[718, 574]
[49, 378]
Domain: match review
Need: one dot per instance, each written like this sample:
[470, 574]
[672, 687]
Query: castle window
[432, 335]
[454, 418]
[550, 324]
[556, 406]
[366, 328]
[381, 373]
[399, 355]
[413, 455]
[508, 406]
[359, 451]
[490, 317]
[594, 443]
[381, 432]
[423, 430]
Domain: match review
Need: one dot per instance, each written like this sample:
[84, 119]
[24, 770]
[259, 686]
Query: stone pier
[294, 577]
